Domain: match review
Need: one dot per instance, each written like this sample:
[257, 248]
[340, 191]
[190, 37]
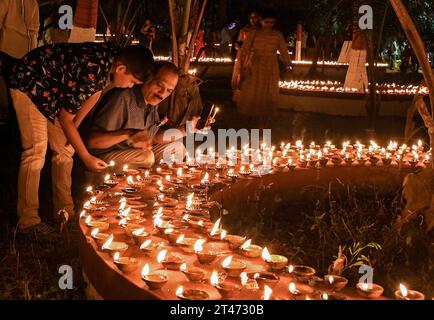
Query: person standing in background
[254, 24]
[147, 34]
[19, 26]
[259, 76]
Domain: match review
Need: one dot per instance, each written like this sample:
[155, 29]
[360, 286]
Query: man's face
[160, 88]
[121, 79]
[254, 19]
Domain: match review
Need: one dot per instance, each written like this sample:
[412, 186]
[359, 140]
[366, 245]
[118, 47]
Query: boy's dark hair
[164, 66]
[269, 14]
[138, 61]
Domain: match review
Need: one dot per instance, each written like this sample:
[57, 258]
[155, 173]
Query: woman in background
[254, 24]
[259, 76]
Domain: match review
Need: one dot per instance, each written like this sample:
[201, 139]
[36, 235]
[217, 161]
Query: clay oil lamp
[162, 225]
[140, 235]
[231, 174]
[291, 165]
[387, 159]
[301, 273]
[302, 163]
[234, 241]
[179, 177]
[233, 267]
[150, 248]
[336, 282]
[276, 262]
[329, 296]
[404, 294]
[293, 290]
[131, 227]
[90, 191]
[250, 250]
[101, 225]
[278, 164]
[114, 246]
[186, 244]
[245, 172]
[369, 290]
[227, 289]
[374, 160]
[193, 273]
[154, 281]
[169, 261]
[108, 181]
[191, 294]
[128, 171]
[205, 181]
[125, 264]
[336, 160]
[323, 160]
[99, 237]
[172, 235]
[348, 159]
[94, 204]
[219, 166]
[248, 283]
[264, 279]
[204, 256]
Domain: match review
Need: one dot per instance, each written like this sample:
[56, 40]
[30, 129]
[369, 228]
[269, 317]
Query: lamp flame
[403, 290]
[223, 235]
[145, 244]
[198, 246]
[183, 267]
[94, 232]
[246, 244]
[226, 262]
[265, 254]
[215, 227]
[180, 291]
[292, 288]
[244, 278]
[180, 239]
[214, 278]
[145, 270]
[161, 256]
[331, 280]
[291, 268]
[107, 244]
[267, 292]
[116, 256]
[138, 232]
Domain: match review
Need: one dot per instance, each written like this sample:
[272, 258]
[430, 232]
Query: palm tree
[185, 18]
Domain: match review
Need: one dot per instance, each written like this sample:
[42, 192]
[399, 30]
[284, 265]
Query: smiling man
[125, 125]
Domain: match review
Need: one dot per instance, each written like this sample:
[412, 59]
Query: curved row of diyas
[230, 60]
[154, 226]
[336, 86]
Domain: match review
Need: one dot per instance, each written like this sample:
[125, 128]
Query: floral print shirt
[63, 76]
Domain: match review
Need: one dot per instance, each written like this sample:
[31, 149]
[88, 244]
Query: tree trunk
[419, 49]
[85, 18]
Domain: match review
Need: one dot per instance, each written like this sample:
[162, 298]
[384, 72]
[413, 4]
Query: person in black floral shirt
[53, 88]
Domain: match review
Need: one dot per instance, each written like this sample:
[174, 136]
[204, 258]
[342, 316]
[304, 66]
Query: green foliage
[309, 227]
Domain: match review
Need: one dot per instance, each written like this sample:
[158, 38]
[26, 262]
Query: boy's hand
[94, 164]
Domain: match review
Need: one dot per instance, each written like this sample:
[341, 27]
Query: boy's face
[268, 22]
[121, 79]
[160, 87]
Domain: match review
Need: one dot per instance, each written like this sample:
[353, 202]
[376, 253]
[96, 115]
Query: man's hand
[141, 140]
[94, 164]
